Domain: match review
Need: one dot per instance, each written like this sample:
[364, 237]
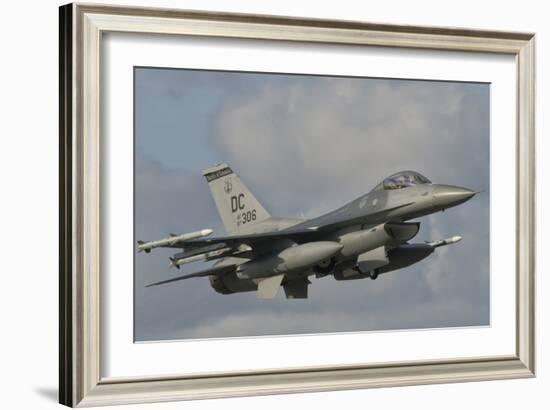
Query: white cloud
[342, 135]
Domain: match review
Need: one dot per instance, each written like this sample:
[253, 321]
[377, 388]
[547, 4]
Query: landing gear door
[372, 260]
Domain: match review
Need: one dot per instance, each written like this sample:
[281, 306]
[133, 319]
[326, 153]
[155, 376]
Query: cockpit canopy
[403, 179]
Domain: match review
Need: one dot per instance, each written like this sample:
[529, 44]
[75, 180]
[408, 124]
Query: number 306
[248, 216]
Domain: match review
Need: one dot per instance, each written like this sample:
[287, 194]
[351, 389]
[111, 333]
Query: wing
[308, 231]
[298, 235]
[216, 271]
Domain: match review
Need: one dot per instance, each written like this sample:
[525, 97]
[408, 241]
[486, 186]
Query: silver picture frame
[81, 31]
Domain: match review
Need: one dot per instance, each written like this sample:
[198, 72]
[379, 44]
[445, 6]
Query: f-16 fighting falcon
[362, 239]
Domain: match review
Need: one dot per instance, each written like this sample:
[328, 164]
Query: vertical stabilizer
[236, 204]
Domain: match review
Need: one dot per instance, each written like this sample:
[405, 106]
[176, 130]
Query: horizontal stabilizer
[216, 271]
[268, 287]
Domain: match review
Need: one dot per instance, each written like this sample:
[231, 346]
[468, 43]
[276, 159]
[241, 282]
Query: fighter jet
[366, 237]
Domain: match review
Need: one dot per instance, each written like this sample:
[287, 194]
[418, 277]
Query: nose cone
[446, 196]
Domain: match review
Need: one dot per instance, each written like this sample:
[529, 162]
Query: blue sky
[305, 145]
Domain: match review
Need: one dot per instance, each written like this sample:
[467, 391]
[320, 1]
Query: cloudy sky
[305, 145]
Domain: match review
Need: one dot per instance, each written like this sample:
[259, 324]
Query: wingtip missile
[172, 240]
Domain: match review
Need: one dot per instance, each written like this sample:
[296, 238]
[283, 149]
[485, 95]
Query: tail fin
[236, 205]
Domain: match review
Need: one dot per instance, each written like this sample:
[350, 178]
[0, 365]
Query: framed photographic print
[257, 205]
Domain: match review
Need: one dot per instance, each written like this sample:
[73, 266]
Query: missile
[206, 253]
[176, 263]
[172, 240]
[443, 242]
